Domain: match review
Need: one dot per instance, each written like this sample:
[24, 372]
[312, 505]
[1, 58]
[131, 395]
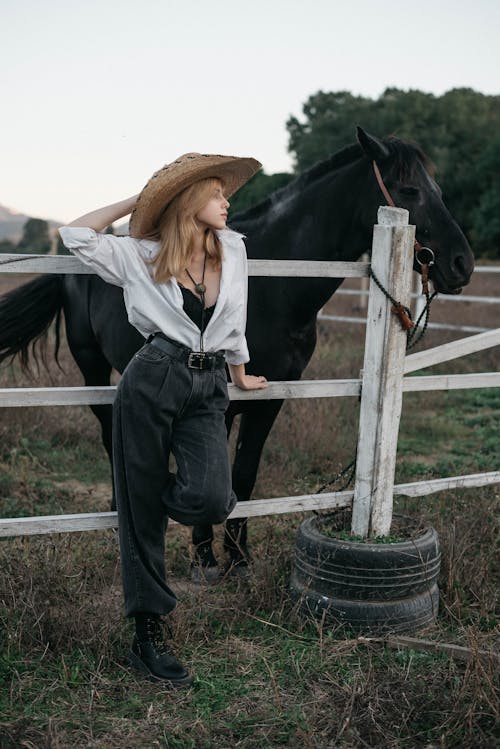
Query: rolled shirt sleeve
[113, 258]
[239, 355]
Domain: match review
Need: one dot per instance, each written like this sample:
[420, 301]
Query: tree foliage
[6, 245]
[35, 239]
[458, 130]
[258, 188]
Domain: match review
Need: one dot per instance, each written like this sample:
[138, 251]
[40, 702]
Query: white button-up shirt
[152, 306]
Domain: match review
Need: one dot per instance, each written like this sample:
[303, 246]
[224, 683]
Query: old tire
[363, 571]
[372, 617]
[374, 588]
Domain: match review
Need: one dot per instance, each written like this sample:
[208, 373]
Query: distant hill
[12, 222]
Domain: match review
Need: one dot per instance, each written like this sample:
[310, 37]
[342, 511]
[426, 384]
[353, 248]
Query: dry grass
[264, 676]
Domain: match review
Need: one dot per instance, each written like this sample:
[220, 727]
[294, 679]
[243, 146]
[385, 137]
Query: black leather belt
[192, 359]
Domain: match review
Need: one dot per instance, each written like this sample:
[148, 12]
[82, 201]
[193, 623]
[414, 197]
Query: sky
[97, 95]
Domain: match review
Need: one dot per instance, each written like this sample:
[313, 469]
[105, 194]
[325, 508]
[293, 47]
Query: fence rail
[381, 391]
[440, 298]
[431, 325]
[287, 390]
[92, 521]
[66, 265]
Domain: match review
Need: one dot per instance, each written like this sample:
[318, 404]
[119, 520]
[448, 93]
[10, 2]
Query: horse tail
[26, 314]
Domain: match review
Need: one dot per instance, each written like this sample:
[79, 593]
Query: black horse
[327, 213]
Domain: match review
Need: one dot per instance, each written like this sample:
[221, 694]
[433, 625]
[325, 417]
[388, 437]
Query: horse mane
[404, 153]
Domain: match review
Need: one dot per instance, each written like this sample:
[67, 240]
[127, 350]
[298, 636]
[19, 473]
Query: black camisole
[192, 307]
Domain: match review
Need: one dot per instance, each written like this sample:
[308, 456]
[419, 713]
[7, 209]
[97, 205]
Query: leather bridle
[424, 256]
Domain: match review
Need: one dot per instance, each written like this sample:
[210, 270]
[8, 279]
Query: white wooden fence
[381, 386]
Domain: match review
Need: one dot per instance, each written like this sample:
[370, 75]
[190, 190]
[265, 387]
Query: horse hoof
[205, 575]
[239, 570]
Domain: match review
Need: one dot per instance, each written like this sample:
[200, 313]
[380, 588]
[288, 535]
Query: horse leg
[254, 429]
[96, 371]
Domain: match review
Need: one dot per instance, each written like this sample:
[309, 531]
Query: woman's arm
[245, 381]
[102, 217]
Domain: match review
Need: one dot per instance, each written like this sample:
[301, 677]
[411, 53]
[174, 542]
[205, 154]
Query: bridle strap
[387, 195]
[417, 247]
[424, 256]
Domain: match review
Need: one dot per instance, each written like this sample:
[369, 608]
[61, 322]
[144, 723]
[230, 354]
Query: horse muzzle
[446, 285]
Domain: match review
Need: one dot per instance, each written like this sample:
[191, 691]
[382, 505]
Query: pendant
[200, 288]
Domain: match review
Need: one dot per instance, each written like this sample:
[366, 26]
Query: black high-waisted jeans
[163, 406]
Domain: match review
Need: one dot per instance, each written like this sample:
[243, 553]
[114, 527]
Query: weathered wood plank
[84, 396]
[254, 508]
[103, 520]
[60, 264]
[430, 646]
[382, 389]
[432, 486]
[452, 350]
[308, 268]
[299, 389]
[363, 294]
[78, 396]
[57, 396]
[69, 264]
[43, 524]
[431, 325]
[451, 382]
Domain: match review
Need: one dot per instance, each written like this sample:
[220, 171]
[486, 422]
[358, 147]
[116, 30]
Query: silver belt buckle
[196, 359]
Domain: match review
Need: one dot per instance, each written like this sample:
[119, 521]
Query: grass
[264, 676]
[346, 536]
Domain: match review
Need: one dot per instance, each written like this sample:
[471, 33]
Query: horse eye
[411, 192]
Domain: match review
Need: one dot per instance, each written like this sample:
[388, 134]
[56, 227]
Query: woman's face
[213, 215]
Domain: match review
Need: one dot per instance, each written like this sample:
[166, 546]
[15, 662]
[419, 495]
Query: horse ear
[372, 146]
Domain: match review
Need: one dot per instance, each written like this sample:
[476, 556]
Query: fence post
[363, 300]
[382, 389]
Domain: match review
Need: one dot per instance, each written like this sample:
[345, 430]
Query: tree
[486, 216]
[35, 239]
[7, 246]
[257, 189]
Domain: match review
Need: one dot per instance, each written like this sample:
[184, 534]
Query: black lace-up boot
[151, 655]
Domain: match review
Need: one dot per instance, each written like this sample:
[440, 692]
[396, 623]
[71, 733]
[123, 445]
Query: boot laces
[156, 635]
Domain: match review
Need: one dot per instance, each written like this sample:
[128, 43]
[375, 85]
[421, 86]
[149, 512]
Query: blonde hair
[177, 228]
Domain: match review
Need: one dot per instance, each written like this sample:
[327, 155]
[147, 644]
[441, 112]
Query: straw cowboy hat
[171, 179]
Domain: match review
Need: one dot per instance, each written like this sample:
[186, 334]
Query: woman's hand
[251, 382]
[245, 381]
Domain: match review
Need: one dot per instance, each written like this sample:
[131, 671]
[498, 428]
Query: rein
[424, 256]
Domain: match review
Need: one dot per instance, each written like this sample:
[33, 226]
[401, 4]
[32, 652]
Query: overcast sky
[99, 94]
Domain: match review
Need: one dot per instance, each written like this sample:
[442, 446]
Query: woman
[184, 278]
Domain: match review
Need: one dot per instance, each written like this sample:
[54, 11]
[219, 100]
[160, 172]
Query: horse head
[407, 175]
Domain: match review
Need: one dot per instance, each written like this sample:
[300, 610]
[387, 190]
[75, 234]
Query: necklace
[200, 288]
